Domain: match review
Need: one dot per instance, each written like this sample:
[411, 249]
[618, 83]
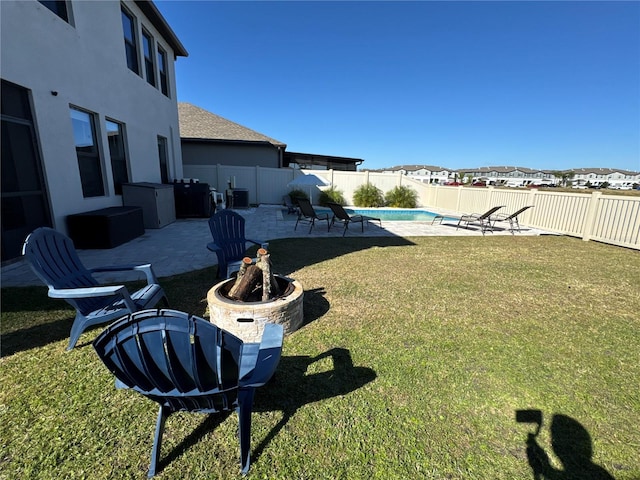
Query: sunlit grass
[414, 358]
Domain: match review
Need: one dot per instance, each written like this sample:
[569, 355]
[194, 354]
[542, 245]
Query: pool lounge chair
[511, 218]
[341, 215]
[483, 220]
[291, 207]
[308, 214]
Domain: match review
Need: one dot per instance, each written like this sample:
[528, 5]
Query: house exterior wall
[240, 154]
[84, 62]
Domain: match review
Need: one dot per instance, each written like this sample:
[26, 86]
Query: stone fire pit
[246, 320]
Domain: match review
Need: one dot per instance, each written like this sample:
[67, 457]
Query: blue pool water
[388, 214]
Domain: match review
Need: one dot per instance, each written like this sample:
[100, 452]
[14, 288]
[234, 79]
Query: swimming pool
[388, 214]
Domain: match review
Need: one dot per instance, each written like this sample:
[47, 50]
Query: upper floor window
[59, 7]
[162, 70]
[147, 49]
[130, 43]
[89, 163]
[117, 152]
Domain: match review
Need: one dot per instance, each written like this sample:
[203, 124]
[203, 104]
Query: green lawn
[415, 356]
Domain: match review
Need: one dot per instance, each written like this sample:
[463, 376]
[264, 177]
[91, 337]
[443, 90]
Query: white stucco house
[88, 103]
[422, 173]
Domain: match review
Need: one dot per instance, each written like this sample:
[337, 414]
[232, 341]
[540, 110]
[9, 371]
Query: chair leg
[245, 404]
[157, 441]
[76, 330]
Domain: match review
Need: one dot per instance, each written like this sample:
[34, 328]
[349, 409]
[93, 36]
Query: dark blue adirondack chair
[54, 260]
[229, 242]
[185, 363]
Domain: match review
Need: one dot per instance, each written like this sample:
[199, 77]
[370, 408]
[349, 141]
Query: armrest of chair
[87, 292]
[255, 242]
[144, 268]
[214, 247]
[259, 361]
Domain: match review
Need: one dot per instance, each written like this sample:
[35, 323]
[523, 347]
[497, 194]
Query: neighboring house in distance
[617, 179]
[88, 103]
[421, 173]
[209, 139]
[509, 175]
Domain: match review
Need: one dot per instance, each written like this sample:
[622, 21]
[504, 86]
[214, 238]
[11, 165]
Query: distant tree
[564, 176]
[568, 176]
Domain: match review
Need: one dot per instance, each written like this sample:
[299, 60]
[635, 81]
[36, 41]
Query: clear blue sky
[550, 85]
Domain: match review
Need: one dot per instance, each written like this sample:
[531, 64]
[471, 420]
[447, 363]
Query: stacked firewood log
[255, 282]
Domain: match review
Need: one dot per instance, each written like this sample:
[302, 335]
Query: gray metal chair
[481, 219]
[309, 215]
[512, 218]
[341, 215]
[54, 260]
[291, 207]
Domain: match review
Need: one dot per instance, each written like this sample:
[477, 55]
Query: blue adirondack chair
[54, 260]
[185, 363]
[229, 242]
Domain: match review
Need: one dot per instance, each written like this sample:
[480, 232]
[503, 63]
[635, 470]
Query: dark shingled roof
[198, 124]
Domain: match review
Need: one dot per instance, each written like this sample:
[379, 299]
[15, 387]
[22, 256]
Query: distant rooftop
[503, 169]
[199, 124]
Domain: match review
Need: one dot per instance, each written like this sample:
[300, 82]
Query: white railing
[609, 219]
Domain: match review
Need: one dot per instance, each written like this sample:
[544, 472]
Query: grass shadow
[209, 424]
[35, 336]
[292, 254]
[314, 306]
[292, 388]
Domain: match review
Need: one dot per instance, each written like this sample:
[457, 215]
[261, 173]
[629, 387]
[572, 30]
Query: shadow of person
[292, 387]
[572, 445]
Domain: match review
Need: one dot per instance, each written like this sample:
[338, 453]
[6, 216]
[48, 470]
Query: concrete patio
[181, 246]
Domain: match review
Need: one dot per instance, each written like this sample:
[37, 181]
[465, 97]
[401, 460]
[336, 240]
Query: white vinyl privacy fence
[610, 219]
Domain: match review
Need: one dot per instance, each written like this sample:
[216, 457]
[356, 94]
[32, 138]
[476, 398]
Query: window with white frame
[87, 152]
